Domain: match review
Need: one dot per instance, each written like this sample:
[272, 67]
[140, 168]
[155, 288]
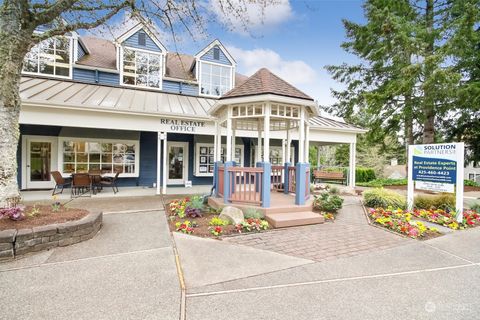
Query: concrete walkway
[126, 272]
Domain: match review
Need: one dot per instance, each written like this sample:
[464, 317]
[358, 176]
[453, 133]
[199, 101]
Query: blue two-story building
[130, 105]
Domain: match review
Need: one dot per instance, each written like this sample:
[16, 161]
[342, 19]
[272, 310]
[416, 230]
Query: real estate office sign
[436, 167]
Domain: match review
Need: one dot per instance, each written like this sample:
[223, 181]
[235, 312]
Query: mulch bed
[44, 216]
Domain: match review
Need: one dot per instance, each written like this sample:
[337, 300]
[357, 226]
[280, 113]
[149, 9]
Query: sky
[295, 39]
[298, 40]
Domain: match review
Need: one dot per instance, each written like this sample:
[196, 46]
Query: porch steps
[292, 219]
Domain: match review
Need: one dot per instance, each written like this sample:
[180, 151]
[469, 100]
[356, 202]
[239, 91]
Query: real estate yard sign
[436, 167]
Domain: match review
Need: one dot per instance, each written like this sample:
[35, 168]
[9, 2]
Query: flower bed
[327, 203]
[400, 221]
[191, 216]
[471, 218]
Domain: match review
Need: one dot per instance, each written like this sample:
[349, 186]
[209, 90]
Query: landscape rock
[232, 214]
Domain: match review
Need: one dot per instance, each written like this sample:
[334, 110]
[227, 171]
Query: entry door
[41, 155]
[177, 162]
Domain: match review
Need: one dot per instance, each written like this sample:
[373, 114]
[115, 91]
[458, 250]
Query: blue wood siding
[209, 57]
[132, 41]
[94, 76]
[180, 88]
[80, 51]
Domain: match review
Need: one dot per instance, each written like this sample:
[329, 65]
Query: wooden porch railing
[277, 177]
[221, 172]
[245, 184]
[291, 179]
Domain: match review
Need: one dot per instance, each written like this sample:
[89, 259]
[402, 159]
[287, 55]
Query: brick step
[291, 219]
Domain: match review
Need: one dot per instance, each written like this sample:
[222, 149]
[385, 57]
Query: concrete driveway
[126, 272]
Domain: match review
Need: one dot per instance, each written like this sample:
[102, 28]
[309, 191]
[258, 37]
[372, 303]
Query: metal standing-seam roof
[322, 122]
[62, 93]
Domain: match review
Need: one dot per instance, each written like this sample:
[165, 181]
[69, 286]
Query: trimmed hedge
[362, 174]
[384, 182]
[383, 198]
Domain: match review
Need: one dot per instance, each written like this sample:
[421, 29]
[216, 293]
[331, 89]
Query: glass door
[40, 161]
[177, 162]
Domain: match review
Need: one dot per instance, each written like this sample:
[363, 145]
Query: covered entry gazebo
[264, 103]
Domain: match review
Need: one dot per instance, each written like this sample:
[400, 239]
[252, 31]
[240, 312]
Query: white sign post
[439, 168]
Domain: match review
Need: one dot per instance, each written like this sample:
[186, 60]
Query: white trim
[147, 30]
[268, 97]
[165, 163]
[82, 66]
[214, 43]
[162, 72]
[26, 139]
[185, 160]
[100, 140]
[196, 168]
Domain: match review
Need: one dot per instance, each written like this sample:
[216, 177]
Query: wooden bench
[319, 175]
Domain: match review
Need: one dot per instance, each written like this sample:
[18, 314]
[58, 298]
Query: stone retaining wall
[18, 242]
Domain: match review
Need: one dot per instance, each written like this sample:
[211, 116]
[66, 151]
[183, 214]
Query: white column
[218, 146]
[159, 160]
[165, 164]
[233, 141]
[307, 142]
[284, 159]
[351, 164]
[289, 145]
[301, 136]
[229, 135]
[266, 132]
[215, 139]
[259, 143]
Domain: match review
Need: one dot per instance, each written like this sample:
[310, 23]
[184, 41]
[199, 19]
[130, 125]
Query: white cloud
[251, 16]
[296, 72]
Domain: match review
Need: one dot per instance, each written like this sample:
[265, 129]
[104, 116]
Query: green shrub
[383, 198]
[364, 174]
[442, 201]
[327, 202]
[252, 213]
[377, 183]
[471, 183]
[333, 189]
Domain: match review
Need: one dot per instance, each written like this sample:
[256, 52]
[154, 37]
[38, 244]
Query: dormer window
[215, 80]
[142, 68]
[50, 57]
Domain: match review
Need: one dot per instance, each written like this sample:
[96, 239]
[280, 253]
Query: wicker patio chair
[81, 185]
[60, 182]
[110, 182]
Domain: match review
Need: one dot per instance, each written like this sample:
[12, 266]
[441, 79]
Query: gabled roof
[101, 53]
[142, 26]
[214, 43]
[265, 82]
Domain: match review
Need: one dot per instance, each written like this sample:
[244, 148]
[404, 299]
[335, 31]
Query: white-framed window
[52, 57]
[215, 79]
[204, 158]
[78, 155]
[141, 68]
